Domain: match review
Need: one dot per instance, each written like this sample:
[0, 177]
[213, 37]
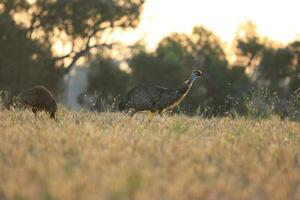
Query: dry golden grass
[110, 156]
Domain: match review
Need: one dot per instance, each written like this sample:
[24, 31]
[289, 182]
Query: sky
[279, 20]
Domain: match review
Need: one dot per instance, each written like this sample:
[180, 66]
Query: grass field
[110, 156]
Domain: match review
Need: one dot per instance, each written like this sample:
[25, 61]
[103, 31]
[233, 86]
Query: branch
[35, 18]
[87, 47]
[64, 56]
[250, 60]
[81, 53]
[96, 29]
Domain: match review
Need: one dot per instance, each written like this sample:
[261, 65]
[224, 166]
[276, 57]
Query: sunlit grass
[111, 156]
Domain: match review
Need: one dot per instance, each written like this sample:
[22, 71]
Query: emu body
[155, 98]
[38, 98]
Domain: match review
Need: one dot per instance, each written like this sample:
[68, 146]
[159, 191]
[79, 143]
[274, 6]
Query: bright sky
[277, 19]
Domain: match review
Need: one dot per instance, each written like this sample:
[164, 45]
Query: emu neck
[184, 89]
[187, 85]
[177, 96]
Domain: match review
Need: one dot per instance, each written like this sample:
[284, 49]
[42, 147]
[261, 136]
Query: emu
[38, 98]
[155, 98]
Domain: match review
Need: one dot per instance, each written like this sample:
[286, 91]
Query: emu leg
[34, 110]
[52, 116]
[150, 116]
[160, 113]
[132, 112]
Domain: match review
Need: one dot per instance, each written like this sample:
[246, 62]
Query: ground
[111, 156]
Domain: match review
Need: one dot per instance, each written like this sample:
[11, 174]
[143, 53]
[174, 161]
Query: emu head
[196, 74]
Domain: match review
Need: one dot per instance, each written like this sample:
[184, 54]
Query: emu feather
[156, 98]
[38, 98]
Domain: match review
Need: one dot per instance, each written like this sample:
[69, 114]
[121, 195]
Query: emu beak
[201, 74]
[198, 73]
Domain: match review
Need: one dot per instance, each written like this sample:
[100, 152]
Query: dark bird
[38, 98]
[155, 98]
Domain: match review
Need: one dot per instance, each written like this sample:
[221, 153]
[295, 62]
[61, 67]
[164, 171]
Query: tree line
[258, 72]
[263, 74]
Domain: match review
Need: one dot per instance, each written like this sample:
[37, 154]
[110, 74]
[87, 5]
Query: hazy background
[277, 20]
[91, 52]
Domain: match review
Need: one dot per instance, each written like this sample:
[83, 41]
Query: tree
[248, 46]
[106, 81]
[23, 62]
[294, 83]
[32, 31]
[85, 25]
[166, 66]
[174, 59]
[272, 66]
[221, 83]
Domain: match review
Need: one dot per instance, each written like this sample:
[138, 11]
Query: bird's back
[38, 96]
[146, 97]
[142, 97]
[156, 98]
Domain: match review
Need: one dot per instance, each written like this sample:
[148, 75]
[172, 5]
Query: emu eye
[197, 73]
